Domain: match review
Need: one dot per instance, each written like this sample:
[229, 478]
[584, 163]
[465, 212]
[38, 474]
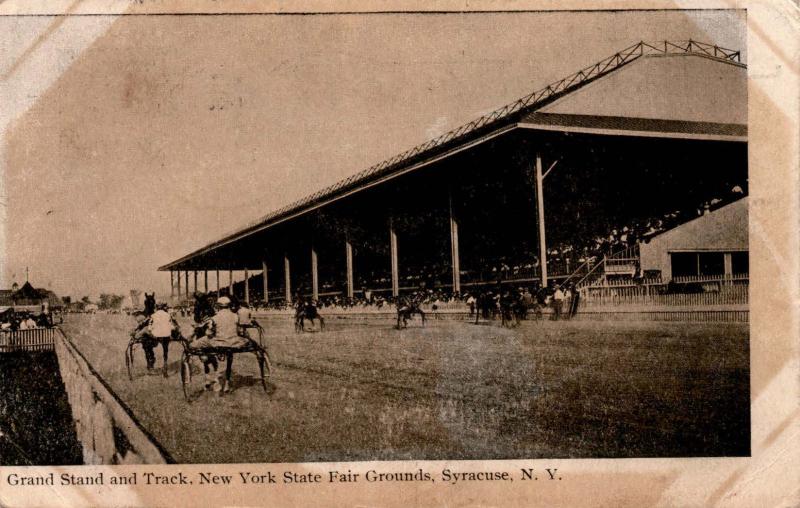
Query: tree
[110, 301]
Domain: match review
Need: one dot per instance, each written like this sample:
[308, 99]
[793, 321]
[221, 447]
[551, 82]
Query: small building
[712, 245]
[28, 298]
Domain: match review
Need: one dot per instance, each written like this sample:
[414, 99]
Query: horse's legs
[211, 369]
[165, 347]
[321, 323]
[212, 360]
[149, 354]
[228, 371]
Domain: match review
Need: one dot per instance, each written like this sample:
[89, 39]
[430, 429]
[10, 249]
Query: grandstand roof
[666, 91]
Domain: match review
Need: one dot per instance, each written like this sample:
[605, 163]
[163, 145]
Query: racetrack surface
[362, 390]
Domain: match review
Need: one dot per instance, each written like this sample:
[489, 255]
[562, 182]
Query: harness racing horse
[203, 307]
[485, 306]
[142, 335]
[507, 316]
[520, 310]
[203, 312]
[149, 304]
[306, 311]
[406, 311]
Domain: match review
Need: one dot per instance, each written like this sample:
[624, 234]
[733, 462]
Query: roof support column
[348, 255]
[178, 278]
[393, 254]
[540, 217]
[246, 286]
[456, 263]
[172, 284]
[195, 281]
[217, 282]
[287, 279]
[727, 260]
[265, 279]
[186, 279]
[314, 274]
[230, 283]
[205, 280]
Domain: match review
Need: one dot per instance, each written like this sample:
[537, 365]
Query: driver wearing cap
[221, 332]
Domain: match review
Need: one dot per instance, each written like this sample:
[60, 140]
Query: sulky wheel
[264, 366]
[260, 335]
[268, 363]
[129, 360]
[186, 375]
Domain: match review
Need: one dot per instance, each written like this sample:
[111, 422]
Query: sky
[164, 133]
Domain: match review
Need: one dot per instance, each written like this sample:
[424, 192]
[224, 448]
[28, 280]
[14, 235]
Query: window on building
[711, 263]
[740, 262]
[684, 264]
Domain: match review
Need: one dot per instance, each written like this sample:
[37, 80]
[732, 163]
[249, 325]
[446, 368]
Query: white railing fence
[34, 339]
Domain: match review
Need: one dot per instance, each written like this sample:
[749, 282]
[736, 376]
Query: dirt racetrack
[362, 390]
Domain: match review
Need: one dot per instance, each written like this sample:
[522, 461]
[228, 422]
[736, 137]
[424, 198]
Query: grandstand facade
[574, 183]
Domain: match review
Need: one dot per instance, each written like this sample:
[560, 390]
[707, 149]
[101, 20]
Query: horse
[203, 307]
[203, 311]
[485, 306]
[141, 334]
[521, 310]
[406, 311]
[507, 315]
[149, 304]
[306, 311]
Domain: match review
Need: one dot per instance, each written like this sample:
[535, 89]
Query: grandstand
[584, 182]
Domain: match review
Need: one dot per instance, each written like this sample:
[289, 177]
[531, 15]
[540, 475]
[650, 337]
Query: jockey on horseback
[306, 309]
[406, 307]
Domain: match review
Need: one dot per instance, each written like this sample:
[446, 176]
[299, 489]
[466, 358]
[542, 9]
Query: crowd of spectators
[614, 239]
[12, 321]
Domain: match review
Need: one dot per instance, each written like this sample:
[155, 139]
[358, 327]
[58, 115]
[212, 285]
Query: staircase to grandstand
[619, 267]
[612, 286]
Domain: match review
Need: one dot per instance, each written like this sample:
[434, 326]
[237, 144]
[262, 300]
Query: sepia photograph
[281, 239]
